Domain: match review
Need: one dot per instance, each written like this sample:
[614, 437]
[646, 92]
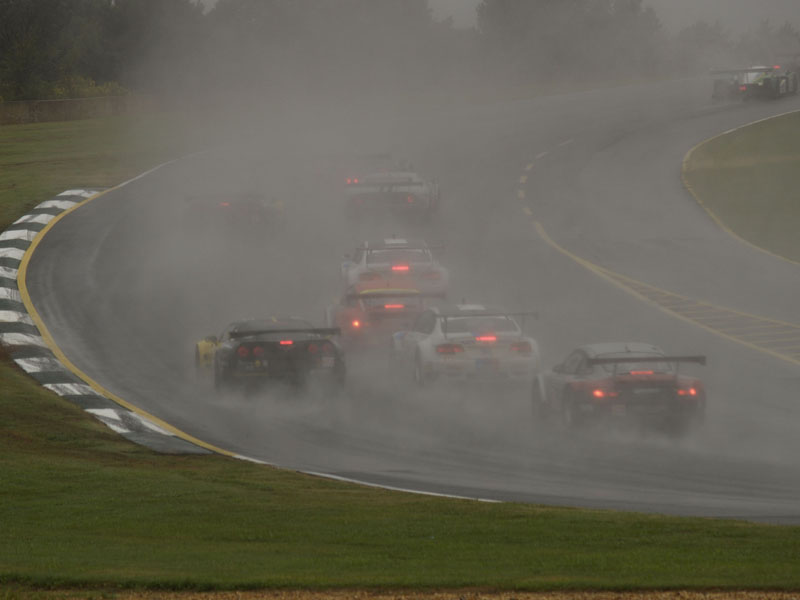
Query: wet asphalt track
[126, 285]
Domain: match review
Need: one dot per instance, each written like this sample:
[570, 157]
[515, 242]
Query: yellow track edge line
[714, 217]
[611, 277]
[48, 338]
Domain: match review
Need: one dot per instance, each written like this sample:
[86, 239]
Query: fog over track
[126, 286]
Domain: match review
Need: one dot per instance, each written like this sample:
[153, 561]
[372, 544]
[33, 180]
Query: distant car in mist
[391, 193]
[629, 383]
[251, 352]
[248, 214]
[396, 262]
[466, 343]
[754, 83]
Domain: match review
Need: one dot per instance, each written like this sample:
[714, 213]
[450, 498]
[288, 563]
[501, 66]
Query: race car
[237, 213]
[626, 382]
[277, 349]
[367, 316]
[396, 262]
[467, 342]
[759, 82]
[402, 193]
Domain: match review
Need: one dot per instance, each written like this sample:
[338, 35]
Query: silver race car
[467, 342]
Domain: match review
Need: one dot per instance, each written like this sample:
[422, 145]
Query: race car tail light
[224, 204]
[258, 351]
[400, 267]
[243, 351]
[776, 67]
[641, 372]
[393, 306]
[691, 391]
[410, 199]
[286, 342]
[523, 348]
[312, 348]
[351, 180]
[601, 393]
[369, 276]
[486, 338]
[742, 88]
[449, 349]
[355, 323]
[327, 348]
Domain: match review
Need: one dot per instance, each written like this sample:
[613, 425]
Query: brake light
[327, 348]
[742, 88]
[641, 372]
[400, 267]
[312, 348]
[449, 349]
[286, 342]
[225, 204]
[410, 199]
[356, 324]
[687, 391]
[351, 180]
[258, 351]
[776, 67]
[393, 306]
[243, 351]
[522, 348]
[600, 393]
[486, 338]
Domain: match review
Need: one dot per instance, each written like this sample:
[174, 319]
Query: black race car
[628, 382]
[278, 349]
[763, 83]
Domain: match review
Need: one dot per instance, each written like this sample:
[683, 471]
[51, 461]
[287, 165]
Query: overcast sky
[736, 15]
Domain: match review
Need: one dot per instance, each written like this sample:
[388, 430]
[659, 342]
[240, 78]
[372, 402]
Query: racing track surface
[126, 284]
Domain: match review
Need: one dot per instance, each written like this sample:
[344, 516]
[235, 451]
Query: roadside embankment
[748, 179]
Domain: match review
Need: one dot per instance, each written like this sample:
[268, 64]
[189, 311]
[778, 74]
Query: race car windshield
[479, 324]
[622, 368]
[393, 256]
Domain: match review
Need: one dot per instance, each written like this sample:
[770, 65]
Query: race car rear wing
[324, 331]
[748, 70]
[677, 360]
[700, 360]
[522, 315]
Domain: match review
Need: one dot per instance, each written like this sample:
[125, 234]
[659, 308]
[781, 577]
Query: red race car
[368, 316]
[631, 382]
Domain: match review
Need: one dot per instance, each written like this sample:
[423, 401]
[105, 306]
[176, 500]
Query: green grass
[81, 506]
[750, 180]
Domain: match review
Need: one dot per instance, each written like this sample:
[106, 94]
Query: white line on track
[542, 154]
[521, 194]
[565, 143]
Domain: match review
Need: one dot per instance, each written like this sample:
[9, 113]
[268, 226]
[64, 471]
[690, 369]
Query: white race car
[397, 263]
[467, 342]
[401, 193]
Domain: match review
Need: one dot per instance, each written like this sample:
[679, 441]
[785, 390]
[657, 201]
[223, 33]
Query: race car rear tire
[421, 379]
[539, 406]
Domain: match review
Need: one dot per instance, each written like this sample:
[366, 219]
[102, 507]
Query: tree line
[74, 48]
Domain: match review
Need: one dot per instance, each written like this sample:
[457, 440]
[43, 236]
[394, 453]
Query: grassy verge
[82, 508]
[750, 179]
